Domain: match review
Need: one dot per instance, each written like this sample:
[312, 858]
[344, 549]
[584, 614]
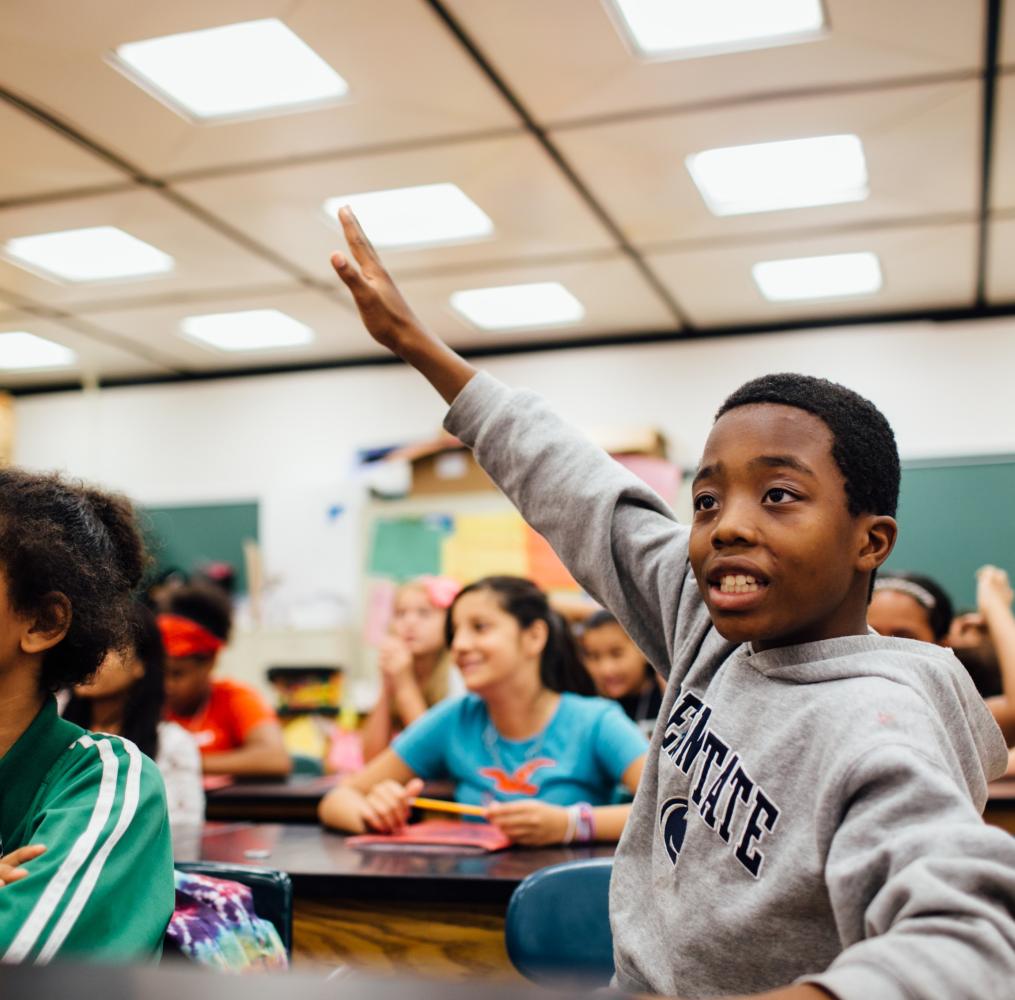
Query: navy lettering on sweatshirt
[724, 795]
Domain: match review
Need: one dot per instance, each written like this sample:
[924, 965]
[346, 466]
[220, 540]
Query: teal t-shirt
[580, 756]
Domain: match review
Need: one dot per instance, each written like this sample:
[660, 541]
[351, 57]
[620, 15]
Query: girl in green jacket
[85, 860]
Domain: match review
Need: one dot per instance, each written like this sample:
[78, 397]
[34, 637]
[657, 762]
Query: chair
[557, 928]
[305, 764]
[272, 891]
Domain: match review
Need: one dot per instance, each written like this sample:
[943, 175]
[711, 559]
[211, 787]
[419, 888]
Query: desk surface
[321, 864]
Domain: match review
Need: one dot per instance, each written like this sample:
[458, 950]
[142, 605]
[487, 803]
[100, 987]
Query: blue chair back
[272, 891]
[557, 928]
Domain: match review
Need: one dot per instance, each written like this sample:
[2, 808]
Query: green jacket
[103, 891]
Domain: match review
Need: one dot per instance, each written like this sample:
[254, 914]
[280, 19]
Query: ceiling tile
[338, 331]
[204, 259]
[534, 210]
[922, 268]
[1002, 189]
[637, 169]
[617, 300]
[1001, 274]
[95, 358]
[408, 78]
[566, 59]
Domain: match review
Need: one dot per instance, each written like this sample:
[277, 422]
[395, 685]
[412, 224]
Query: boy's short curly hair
[64, 537]
[863, 445]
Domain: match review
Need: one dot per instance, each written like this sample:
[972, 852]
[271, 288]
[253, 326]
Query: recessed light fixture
[250, 330]
[21, 350]
[768, 176]
[98, 253]
[415, 216]
[682, 29]
[826, 277]
[233, 71]
[512, 307]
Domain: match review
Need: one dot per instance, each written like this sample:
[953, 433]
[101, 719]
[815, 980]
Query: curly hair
[204, 603]
[863, 445]
[59, 536]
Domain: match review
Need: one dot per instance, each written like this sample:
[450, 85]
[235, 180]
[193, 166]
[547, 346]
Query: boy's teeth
[738, 584]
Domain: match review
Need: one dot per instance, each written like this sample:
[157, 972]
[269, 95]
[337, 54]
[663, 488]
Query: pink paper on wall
[664, 477]
[380, 603]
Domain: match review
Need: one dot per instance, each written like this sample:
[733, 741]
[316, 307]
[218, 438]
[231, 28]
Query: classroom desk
[170, 982]
[1000, 809]
[430, 913]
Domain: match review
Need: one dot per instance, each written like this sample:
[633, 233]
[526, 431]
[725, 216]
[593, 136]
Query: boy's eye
[779, 495]
[704, 502]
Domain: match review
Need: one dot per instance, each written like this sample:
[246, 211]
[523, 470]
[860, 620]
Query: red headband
[183, 637]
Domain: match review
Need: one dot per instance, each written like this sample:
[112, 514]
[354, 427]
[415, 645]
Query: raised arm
[615, 535]
[994, 598]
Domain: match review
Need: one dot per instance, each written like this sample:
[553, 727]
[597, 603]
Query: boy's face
[777, 555]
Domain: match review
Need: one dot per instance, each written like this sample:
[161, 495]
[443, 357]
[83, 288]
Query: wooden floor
[443, 941]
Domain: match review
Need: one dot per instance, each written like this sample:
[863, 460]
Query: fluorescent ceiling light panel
[690, 28]
[415, 216]
[21, 350]
[768, 176]
[98, 253]
[250, 330]
[513, 307]
[828, 277]
[234, 71]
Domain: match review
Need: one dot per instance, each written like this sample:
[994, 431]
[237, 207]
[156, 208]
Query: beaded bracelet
[572, 824]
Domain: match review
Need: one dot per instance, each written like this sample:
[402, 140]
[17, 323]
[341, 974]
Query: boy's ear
[48, 626]
[880, 533]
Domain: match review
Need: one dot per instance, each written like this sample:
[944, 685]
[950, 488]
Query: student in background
[620, 671]
[88, 871]
[416, 671]
[525, 741]
[125, 696]
[236, 730]
[910, 606]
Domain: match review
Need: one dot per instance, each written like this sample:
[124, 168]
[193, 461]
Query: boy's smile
[777, 555]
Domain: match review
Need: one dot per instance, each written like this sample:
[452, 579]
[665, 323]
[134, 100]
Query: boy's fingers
[360, 246]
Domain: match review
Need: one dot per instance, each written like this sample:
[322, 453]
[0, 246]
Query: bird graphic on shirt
[518, 782]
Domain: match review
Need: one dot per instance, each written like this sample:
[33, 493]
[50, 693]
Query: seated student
[546, 760]
[88, 870]
[125, 696]
[620, 671]
[808, 822]
[910, 606]
[416, 671]
[236, 730]
[985, 641]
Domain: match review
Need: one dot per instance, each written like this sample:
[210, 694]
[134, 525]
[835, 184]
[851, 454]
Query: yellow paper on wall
[485, 545]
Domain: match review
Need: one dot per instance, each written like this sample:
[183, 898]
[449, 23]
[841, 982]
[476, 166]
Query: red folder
[434, 834]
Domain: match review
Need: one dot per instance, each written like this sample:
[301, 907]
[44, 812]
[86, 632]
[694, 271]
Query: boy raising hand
[808, 821]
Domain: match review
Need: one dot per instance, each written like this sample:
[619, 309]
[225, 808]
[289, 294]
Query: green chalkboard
[186, 538]
[953, 518]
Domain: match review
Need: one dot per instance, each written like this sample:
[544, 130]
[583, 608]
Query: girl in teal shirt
[526, 741]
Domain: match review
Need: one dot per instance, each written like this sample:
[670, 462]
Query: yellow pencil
[439, 805]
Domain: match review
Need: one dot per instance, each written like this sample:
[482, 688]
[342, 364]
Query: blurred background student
[910, 606]
[415, 668]
[620, 671]
[236, 730]
[125, 697]
[529, 741]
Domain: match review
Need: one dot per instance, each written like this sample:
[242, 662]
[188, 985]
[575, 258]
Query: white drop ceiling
[541, 113]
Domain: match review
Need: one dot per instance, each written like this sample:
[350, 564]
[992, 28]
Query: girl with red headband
[236, 730]
[416, 671]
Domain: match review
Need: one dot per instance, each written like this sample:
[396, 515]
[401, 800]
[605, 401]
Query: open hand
[992, 588]
[384, 311]
[529, 821]
[386, 805]
[10, 864]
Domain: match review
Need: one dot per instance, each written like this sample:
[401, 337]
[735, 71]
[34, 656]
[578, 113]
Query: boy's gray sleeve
[922, 889]
[616, 536]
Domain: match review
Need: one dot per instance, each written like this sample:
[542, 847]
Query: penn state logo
[673, 823]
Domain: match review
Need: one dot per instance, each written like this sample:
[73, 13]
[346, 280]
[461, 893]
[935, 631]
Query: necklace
[491, 739]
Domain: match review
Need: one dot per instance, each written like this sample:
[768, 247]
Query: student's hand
[384, 312]
[993, 590]
[10, 864]
[394, 660]
[530, 822]
[386, 806]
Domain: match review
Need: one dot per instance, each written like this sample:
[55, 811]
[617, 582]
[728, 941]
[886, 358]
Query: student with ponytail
[86, 871]
[529, 741]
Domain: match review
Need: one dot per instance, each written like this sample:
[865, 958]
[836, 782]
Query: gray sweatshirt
[810, 813]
